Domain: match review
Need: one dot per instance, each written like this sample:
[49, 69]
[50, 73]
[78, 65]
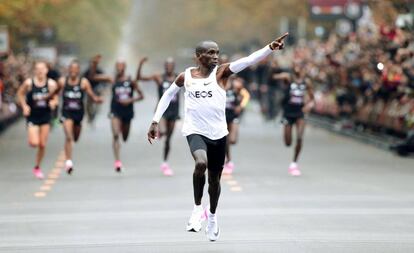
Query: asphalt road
[351, 197]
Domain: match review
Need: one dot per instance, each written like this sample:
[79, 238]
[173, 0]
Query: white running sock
[211, 216]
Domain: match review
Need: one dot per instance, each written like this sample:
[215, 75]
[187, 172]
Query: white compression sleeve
[165, 101]
[254, 58]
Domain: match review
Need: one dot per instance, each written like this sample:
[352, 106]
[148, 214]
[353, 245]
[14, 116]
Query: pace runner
[73, 89]
[298, 100]
[37, 103]
[122, 108]
[236, 101]
[171, 115]
[96, 78]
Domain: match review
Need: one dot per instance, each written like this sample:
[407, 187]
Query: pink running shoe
[228, 168]
[38, 173]
[294, 170]
[166, 170]
[205, 213]
[118, 166]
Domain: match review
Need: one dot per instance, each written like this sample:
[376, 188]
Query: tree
[91, 24]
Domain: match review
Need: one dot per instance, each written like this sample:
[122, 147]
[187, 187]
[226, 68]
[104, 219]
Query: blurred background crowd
[13, 70]
[364, 79]
[358, 54]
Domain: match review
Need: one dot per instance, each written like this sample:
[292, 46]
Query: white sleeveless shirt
[204, 106]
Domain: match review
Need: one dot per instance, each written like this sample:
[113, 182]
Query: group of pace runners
[214, 99]
[39, 96]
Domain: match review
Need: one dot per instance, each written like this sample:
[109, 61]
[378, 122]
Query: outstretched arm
[285, 76]
[140, 77]
[163, 105]
[95, 75]
[237, 66]
[102, 78]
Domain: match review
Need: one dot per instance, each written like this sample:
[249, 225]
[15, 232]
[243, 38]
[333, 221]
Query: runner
[122, 108]
[54, 74]
[74, 87]
[237, 98]
[171, 115]
[205, 121]
[37, 104]
[295, 106]
[96, 78]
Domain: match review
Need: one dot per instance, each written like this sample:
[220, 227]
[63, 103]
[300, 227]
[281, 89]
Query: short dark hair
[202, 46]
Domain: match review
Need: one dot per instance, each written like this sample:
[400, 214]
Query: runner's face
[74, 70]
[297, 70]
[169, 67]
[120, 68]
[96, 60]
[209, 58]
[40, 70]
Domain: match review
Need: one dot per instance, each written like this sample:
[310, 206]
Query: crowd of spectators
[13, 70]
[366, 79]
[363, 81]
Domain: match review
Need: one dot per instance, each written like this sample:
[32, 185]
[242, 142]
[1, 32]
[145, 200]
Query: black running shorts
[215, 149]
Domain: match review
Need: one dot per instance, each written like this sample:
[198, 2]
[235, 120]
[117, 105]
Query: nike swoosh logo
[205, 84]
[218, 232]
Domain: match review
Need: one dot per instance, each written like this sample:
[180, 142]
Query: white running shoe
[196, 219]
[69, 166]
[212, 228]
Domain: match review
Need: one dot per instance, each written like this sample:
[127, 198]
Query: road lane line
[45, 188]
[227, 177]
[56, 171]
[59, 164]
[40, 194]
[234, 185]
[49, 181]
[236, 189]
[232, 182]
[52, 177]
